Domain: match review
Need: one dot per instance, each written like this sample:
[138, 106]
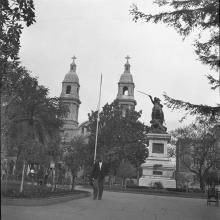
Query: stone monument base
[151, 180]
[158, 167]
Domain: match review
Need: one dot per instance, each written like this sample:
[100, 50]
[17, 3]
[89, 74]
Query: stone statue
[157, 116]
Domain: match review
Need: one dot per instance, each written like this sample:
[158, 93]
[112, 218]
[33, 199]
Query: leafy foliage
[212, 178]
[126, 170]
[13, 15]
[214, 82]
[212, 113]
[76, 154]
[197, 149]
[171, 151]
[119, 138]
[32, 119]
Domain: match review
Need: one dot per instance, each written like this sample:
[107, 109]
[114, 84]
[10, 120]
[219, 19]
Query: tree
[33, 113]
[197, 149]
[76, 156]
[119, 138]
[14, 14]
[186, 17]
[126, 170]
[171, 151]
[12, 82]
[212, 113]
[32, 120]
[212, 179]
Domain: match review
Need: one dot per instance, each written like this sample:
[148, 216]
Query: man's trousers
[98, 186]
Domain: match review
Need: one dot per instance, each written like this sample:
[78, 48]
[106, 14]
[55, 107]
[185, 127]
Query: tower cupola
[71, 76]
[126, 77]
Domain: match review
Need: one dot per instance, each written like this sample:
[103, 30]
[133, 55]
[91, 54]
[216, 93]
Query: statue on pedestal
[157, 116]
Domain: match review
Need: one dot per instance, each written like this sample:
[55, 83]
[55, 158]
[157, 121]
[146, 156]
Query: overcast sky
[100, 33]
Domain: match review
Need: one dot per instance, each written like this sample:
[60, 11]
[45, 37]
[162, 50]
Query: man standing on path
[99, 172]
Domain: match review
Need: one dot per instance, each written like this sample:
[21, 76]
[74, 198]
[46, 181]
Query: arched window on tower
[125, 90]
[77, 90]
[68, 89]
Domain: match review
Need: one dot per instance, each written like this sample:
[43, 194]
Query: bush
[157, 185]
[130, 182]
[197, 190]
[137, 187]
[175, 189]
[11, 189]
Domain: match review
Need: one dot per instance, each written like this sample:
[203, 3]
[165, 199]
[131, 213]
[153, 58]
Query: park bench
[213, 196]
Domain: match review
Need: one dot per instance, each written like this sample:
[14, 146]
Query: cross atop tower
[73, 64]
[127, 58]
[74, 58]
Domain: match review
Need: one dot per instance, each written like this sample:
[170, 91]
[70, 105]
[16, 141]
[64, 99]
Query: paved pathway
[118, 206]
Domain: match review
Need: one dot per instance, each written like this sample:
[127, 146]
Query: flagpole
[143, 93]
[97, 124]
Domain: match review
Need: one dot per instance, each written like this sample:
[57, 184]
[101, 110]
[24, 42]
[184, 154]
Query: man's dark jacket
[97, 173]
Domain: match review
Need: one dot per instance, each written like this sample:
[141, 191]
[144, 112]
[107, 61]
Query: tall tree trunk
[73, 183]
[22, 178]
[110, 182]
[53, 179]
[125, 183]
[73, 180]
[138, 176]
[6, 176]
[201, 182]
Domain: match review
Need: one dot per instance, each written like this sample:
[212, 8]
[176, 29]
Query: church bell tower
[125, 96]
[70, 96]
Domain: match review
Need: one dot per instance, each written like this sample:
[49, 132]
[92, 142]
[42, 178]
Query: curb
[158, 194]
[43, 201]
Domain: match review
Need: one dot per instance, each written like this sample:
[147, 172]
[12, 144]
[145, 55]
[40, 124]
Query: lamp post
[52, 166]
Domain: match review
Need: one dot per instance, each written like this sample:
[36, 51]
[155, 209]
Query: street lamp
[52, 166]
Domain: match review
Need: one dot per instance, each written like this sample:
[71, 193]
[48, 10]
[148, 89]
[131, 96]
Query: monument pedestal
[158, 167]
